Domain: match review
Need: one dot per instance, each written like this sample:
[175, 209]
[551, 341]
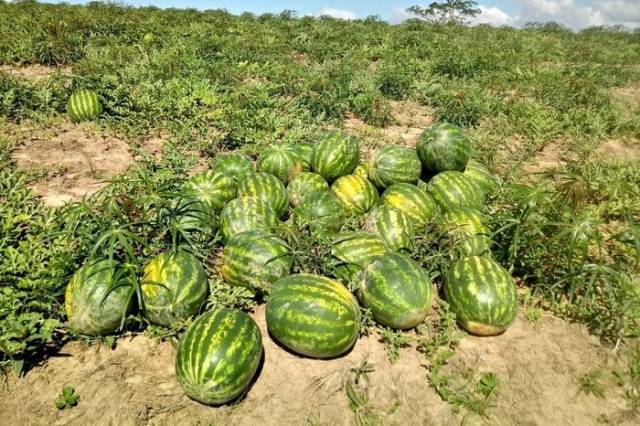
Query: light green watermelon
[84, 105]
[265, 187]
[246, 214]
[453, 189]
[356, 194]
[236, 166]
[395, 228]
[466, 232]
[414, 202]
[394, 164]
[349, 251]
[281, 161]
[304, 184]
[335, 154]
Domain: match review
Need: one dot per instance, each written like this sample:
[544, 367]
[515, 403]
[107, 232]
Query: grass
[211, 82]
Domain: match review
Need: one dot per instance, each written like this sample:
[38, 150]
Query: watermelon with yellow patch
[218, 356]
[174, 288]
[482, 294]
[303, 185]
[246, 214]
[478, 173]
[466, 232]
[313, 316]
[281, 161]
[335, 154]
[84, 105]
[393, 226]
[265, 187]
[356, 194]
[414, 202]
[349, 251]
[451, 190]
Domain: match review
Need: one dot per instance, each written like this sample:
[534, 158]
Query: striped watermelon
[281, 161]
[84, 105]
[466, 232]
[304, 184]
[214, 189]
[304, 151]
[335, 154]
[195, 215]
[350, 251]
[255, 260]
[246, 214]
[396, 290]
[236, 166]
[356, 194]
[482, 294]
[444, 147]
[362, 170]
[174, 287]
[265, 187]
[98, 296]
[394, 164]
[412, 201]
[218, 356]
[453, 189]
[322, 212]
[313, 316]
[478, 173]
[393, 226]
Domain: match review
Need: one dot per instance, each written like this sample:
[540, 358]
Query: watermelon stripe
[394, 164]
[335, 154]
[453, 189]
[83, 105]
[412, 201]
[246, 214]
[392, 225]
[356, 194]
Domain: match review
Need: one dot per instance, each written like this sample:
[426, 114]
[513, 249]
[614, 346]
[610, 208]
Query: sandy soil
[537, 364]
[34, 71]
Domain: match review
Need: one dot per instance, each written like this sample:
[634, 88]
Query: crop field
[269, 219]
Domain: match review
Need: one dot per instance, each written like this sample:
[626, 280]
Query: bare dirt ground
[34, 71]
[75, 160]
[538, 365]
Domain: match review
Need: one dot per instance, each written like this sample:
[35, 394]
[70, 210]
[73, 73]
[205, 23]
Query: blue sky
[573, 13]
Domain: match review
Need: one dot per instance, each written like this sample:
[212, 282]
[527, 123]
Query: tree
[450, 11]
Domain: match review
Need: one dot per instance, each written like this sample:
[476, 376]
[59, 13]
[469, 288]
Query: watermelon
[454, 189]
[236, 166]
[478, 173]
[196, 215]
[322, 212]
[466, 232]
[394, 164]
[214, 189]
[356, 194]
[174, 287]
[304, 184]
[265, 187]
[395, 228]
[335, 154]
[444, 147]
[350, 251]
[97, 298]
[246, 214]
[414, 202]
[281, 161]
[482, 294]
[218, 356]
[361, 170]
[396, 290]
[84, 105]
[313, 316]
[304, 151]
[255, 260]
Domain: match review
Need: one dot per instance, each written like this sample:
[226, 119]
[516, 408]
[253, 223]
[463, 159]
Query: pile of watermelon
[397, 195]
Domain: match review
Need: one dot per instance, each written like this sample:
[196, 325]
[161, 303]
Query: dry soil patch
[538, 365]
[35, 71]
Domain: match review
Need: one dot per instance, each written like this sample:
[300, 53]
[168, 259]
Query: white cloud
[567, 12]
[492, 16]
[338, 13]
[400, 15]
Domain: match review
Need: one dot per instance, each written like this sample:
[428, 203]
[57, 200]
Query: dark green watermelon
[313, 316]
[482, 294]
[444, 147]
[394, 164]
[218, 356]
[396, 290]
[321, 212]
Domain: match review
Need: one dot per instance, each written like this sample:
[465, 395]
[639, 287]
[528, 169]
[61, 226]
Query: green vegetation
[212, 83]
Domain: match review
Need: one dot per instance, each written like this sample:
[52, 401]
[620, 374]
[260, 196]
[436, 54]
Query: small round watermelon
[466, 232]
[335, 154]
[482, 294]
[281, 161]
[313, 316]
[478, 173]
[394, 164]
[218, 356]
[444, 147]
[84, 105]
[350, 251]
[322, 212]
[304, 184]
[174, 287]
[356, 194]
[246, 214]
[395, 228]
[453, 189]
[265, 187]
[236, 166]
[255, 260]
[98, 297]
[414, 202]
[211, 188]
[396, 290]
